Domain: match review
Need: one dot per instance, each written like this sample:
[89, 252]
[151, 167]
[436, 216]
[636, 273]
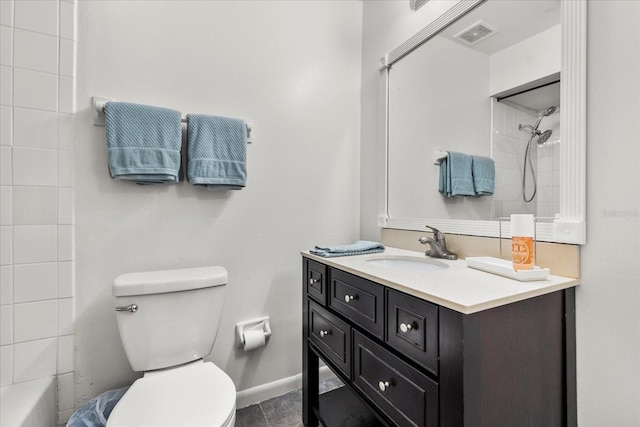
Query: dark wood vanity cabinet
[408, 362]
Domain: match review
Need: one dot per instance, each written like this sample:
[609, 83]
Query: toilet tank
[176, 315]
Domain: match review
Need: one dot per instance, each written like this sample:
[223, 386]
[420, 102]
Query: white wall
[608, 299]
[36, 197]
[293, 69]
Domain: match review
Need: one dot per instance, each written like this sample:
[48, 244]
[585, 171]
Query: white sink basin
[407, 263]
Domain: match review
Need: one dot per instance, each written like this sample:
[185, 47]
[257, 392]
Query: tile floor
[281, 411]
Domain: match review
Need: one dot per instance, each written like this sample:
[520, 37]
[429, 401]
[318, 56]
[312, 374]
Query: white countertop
[458, 287]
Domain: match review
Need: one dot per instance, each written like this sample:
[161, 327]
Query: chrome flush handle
[132, 308]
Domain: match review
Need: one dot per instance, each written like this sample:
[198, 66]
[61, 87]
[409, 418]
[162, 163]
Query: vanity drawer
[412, 328]
[315, 277]
[331, 335]
[403, 393]
[358, 299]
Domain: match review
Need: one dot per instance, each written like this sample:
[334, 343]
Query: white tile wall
[35, 51]
[40, 16]
[6, 284]
[6, 360]
[35, 282]
[35, 243]
[37, 84]
[34, 89]
[6, 125]
[35, 205]
[6, 207]
[34, 359]
[25, 134]
[35, 166]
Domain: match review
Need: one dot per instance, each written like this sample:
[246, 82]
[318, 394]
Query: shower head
[544, 136]
[549, 111]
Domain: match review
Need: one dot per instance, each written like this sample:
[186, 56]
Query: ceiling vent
[476, 33]
[417, 4]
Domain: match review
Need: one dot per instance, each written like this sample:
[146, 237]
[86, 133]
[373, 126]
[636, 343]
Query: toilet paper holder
[262, 322]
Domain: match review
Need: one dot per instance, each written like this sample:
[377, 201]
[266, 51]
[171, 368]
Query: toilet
[168, 321]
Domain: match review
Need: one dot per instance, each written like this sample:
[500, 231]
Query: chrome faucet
[438, 245]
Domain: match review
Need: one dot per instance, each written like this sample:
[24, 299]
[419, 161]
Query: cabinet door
[412, 328]
[358, 299]
[403, 393]
[331, 335]
[315, 280]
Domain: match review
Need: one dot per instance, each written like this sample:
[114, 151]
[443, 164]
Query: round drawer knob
[405, 327]
[348, 298]
[324, 333]
[383, 385]
[313, 281]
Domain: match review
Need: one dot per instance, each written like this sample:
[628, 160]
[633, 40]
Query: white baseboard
[270, 390]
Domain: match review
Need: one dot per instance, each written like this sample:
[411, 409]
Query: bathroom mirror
[522, 83]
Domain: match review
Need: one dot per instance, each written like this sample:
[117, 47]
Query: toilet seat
[196, 394]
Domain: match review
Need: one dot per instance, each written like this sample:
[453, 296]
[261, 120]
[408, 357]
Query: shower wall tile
[67, 13]
[35, 320]
[6, 125]
[66, 95]
[6, 359]
[6, 324]
[66, 131]
[6, 209]
[67, 58]
[35, 243]
[66, 174]
[65, 392]
[65, 354]
[35, 205]
[65, 316]
[6, 45]
[6, 245]
[6, 85]
[34, 89]
[37, 15]
[6, 285]
[35, 128]
[65, 242]
[35, 166]
[34, 359]
[65, 279]
[35, 282]
[66, 200]
[6, 12]
[35, 51]
[6, 166]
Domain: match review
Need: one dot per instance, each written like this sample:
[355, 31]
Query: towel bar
[98, 114]
[438, 155]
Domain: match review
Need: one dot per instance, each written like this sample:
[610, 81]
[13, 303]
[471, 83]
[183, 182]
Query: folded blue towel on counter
[361, 247]
[143, 142]
[217, 152]
[456, 178]
[484, 175]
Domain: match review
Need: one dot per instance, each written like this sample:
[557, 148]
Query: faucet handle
[437, 234]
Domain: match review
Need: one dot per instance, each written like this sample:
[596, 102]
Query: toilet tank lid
[157, 282]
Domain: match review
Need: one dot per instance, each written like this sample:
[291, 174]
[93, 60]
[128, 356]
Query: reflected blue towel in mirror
[361, 247]
[143, 142]
[216, 152]
[484, 175]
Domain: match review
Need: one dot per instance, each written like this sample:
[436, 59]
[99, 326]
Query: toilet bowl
[168, 321]
[196, 394]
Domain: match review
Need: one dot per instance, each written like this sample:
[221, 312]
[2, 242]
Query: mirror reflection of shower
[540, 137]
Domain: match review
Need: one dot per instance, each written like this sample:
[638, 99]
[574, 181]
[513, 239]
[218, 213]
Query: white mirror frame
[570, 225]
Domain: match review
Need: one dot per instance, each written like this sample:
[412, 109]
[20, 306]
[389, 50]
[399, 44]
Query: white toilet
[168, 321]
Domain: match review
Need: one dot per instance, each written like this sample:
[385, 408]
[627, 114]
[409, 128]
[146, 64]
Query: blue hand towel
[217, 152]
[455, 175]
[484, 175]
[361, 247]
[143, 142]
